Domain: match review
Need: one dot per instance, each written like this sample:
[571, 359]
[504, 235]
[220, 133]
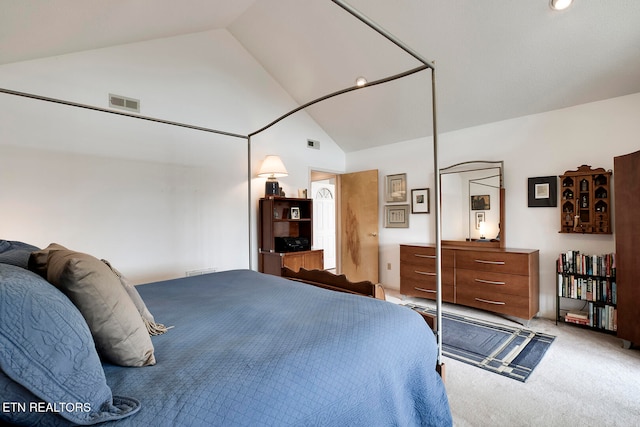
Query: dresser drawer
[499, 283]
[513, 305]
[499, 262]
[426, 289]
[426, 273]
[425, 256]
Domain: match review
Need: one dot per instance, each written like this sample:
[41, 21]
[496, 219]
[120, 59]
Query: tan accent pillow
[149, 322]
[117, 328]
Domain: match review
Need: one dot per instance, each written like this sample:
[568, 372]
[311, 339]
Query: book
[578, 315]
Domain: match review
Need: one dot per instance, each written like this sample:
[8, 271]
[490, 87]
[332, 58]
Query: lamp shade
[272, 167]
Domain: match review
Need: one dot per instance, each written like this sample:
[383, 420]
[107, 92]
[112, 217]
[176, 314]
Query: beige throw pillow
[117, 328]
[152, 327]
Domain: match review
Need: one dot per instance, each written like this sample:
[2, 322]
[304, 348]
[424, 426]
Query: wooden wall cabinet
[500, 280]
[279, 219]
[585, 200]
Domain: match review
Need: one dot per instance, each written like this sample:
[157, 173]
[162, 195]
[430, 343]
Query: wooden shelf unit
[281, 217]
[585, 197]
[588, 284]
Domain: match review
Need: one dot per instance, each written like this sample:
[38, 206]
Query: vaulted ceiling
[495, 59]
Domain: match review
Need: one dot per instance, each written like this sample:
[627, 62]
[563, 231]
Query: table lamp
[272, 168]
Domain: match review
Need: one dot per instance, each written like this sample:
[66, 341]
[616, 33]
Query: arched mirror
[472, 200]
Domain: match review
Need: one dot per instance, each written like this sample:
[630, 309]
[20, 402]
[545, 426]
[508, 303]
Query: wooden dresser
[500, 280]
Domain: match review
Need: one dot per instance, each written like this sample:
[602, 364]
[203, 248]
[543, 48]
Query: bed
[242, 348]
[425, 65]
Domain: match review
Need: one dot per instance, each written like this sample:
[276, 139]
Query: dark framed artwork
[543, 192]
[420, 200]
[480, 202]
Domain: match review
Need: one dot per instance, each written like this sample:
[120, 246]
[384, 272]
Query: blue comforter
[249, 349]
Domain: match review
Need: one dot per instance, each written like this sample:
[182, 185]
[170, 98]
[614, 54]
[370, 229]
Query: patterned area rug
[510, 351]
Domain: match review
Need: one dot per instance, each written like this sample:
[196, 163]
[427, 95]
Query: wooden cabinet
[500, 280]
[285, 235]
[627, 203]
[585, 201]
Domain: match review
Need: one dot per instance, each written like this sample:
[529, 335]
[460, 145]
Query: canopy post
[438, 223]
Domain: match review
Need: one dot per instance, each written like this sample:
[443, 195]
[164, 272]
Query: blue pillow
[46, 348]
[15, 253]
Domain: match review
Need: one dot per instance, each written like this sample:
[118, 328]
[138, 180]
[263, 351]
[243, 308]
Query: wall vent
[201, 272]
[313, 144]
[124, 103]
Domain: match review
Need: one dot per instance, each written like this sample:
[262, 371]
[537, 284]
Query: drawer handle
[425, 290]
[482, 261]
[425, 273]
[425, 256]
[490, 302]
[490, 282]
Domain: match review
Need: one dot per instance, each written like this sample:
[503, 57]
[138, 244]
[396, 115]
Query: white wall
[155, 200]
[538, 145]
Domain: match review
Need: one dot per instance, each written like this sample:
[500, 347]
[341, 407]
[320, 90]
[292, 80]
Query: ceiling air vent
[124, 103]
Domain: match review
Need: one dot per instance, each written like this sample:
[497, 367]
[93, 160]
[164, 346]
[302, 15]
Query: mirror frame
[470, 166]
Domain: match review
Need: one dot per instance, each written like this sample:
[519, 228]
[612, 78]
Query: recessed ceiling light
[560, 4]
[361, 81]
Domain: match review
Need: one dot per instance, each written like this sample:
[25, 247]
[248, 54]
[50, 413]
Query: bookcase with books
[587, 292]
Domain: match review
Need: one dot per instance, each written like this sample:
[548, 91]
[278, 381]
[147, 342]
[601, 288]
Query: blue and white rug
[506, 350]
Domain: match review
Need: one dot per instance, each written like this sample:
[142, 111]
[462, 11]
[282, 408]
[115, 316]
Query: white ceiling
[495, 59]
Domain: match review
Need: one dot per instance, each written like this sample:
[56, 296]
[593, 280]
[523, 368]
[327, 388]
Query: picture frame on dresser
[543, 192]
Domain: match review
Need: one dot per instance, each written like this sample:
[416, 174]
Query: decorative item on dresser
[500, 280]
[585, 201]
[285, 233]
[627, 187]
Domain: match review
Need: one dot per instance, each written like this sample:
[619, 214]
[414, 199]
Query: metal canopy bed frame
[426, 65]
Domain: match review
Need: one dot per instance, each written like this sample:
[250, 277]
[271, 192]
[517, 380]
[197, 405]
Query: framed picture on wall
[420, 200]
[543, 192]
[479, 218]
[481, 203]
[396, 188]
[396, 216]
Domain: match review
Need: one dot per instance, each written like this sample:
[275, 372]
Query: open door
[358, 225]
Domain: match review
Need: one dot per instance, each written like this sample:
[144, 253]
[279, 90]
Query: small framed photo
[543, 192]
[396, 188]
[481, 203]
[420, 200]
[479, 218]
[295, 212]
[396, 216]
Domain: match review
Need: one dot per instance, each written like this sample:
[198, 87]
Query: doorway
[345, 222]
[323, 193]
